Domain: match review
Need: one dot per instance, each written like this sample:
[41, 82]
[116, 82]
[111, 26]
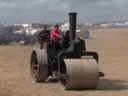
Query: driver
[55, 37]
[55, 33]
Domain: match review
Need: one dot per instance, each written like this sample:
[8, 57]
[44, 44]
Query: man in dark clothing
[44, 37]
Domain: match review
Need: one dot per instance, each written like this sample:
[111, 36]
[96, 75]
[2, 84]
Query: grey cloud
[6, 4]
[27, 11]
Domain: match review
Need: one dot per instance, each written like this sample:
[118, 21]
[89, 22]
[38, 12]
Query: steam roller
[71, 64]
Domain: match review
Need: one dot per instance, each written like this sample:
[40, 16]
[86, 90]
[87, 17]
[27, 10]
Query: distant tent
[65, 27]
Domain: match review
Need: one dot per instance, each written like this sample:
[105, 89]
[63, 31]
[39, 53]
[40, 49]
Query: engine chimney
[72, 25]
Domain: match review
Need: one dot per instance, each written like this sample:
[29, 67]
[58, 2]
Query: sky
[53, 11]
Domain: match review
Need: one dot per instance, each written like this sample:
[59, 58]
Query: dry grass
[111, 44]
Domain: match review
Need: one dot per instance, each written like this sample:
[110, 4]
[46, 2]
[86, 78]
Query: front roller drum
[82, 74]
[39, 65]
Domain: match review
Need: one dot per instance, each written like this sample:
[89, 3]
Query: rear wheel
[39, 65]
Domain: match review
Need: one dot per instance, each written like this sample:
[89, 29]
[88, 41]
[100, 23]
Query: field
[112, 46]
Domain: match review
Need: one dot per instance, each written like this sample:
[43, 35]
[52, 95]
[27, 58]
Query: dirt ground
[111, 44]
